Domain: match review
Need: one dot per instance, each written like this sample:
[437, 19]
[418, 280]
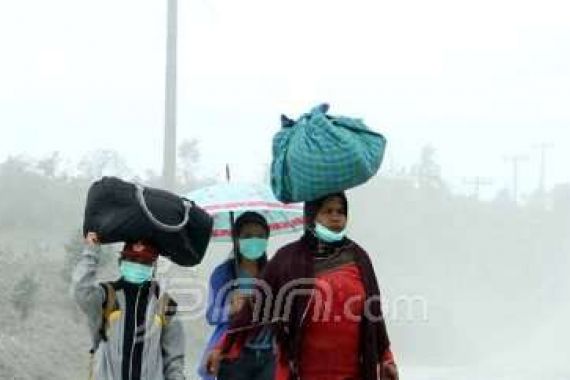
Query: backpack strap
[164, 310]
[109, 307]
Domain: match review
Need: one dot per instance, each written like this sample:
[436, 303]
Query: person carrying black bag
[135, 329]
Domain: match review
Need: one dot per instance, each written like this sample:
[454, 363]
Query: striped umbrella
[223, 200]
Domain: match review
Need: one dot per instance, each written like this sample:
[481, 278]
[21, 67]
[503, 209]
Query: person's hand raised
[92, 239]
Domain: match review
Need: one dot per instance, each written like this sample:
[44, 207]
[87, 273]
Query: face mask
[135, 273]
[252, 248]
[327, 235]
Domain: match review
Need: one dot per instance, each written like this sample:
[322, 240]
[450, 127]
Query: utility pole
[169, 154]
[477, 182]
[516, 161]
[543, 147]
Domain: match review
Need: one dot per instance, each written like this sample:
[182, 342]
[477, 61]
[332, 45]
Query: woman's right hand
[213, 362]
[91, 239]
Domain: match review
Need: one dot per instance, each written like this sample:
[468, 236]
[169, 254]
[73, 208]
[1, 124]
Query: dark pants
[251, 365]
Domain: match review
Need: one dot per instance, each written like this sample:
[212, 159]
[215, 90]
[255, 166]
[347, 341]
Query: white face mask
[327, 235]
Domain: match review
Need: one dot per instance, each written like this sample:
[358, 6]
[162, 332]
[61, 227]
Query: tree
[73, 250]
[188, 158]
[24, 295]
[103, 162]
[20, 188]
[151, 178]
[427, 170]
[41, 202]
[560, 196]
[188, 162]
[49, 165]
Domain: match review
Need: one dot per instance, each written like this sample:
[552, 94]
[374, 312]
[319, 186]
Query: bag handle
[164, 308]
[158, 224]
[108, 308]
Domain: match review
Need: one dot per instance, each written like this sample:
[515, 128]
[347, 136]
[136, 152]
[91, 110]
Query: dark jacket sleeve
[378, 324]
[247, 321]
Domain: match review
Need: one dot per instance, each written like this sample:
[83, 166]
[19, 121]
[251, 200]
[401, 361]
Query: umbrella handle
[232, 227]
[234, 242]
[157, 223]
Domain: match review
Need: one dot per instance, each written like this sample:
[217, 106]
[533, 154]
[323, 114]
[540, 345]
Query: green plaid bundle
[321, 154]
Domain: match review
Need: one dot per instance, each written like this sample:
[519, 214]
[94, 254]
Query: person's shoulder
[357, 248]
[353, 244]
[288, 248]
[223, 270]
[288, 254]
[224, 266]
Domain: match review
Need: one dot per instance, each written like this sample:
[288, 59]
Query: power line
[516, 160]
[477, 182]
[543, 147]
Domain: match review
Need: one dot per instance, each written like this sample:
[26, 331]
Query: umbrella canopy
[223, 199]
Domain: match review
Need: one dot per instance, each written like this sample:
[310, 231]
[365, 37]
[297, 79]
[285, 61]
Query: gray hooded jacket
[164, 345]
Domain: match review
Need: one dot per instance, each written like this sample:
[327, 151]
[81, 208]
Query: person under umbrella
[332, 328]
[134, 324]
[232, 286]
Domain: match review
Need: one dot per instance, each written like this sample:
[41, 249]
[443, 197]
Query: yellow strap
[91, 366]
[109, 303]
[163, 302]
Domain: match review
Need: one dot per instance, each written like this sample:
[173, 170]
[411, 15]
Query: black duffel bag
[121, 211]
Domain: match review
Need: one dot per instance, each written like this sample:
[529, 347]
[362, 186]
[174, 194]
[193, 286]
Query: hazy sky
[478, 79]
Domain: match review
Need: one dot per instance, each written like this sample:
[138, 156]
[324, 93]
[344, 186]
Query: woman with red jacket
[324, 304]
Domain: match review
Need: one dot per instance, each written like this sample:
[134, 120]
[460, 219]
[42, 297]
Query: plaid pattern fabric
[321, 154]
